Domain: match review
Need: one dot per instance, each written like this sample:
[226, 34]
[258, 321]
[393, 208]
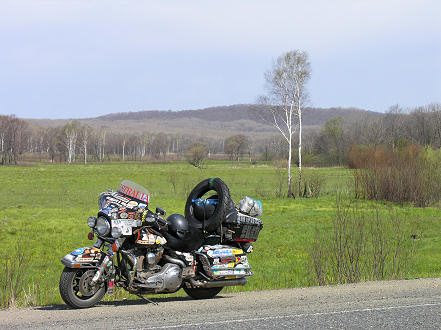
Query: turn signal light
[90, 236]
[114, 247]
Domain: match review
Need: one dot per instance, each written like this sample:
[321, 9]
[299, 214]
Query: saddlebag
[224, 262]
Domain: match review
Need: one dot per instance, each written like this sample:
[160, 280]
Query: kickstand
[147, 299]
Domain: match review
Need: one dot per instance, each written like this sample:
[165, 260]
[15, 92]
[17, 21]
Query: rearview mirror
[160, 211]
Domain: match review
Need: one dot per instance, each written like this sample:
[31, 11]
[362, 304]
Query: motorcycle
[146, 253]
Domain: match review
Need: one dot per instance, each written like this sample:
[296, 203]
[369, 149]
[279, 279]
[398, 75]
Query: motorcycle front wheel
[201, 293]
[75, 288]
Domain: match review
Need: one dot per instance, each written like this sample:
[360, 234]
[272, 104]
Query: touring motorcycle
[145, 253]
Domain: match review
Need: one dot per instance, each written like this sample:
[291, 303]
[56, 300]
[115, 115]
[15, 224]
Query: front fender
[85, 257]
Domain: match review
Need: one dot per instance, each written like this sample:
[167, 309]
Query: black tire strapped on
[224, 204]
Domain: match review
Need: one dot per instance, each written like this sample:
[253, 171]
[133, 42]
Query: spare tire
[223, 206]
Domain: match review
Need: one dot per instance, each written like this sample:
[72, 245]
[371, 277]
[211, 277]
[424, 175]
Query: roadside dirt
[183, 311]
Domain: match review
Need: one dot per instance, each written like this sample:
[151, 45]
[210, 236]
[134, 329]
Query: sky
[85, 58]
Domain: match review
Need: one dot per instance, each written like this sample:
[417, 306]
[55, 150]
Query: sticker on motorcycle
[160, 240]
[147, 239]
[78, 251]
[133, 193]
[125, 225]
[132, 215]
[84, 259]
[222, 266]
[224, 252]
[132, 205]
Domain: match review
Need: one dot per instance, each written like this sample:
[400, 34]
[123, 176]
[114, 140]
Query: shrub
[315, 182]
[363, 245]
[410, 174]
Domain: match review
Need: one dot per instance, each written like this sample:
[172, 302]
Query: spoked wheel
[202, 293]
[75, 288]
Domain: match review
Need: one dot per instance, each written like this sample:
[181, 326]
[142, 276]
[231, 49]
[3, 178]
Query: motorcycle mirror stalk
[160, 211]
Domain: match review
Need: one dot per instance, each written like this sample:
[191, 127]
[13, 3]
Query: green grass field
[45, 207]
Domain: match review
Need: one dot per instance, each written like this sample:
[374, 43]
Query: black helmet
[204, 208]
[178, 226]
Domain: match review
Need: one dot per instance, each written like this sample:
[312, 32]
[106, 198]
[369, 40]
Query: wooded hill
[221, 121]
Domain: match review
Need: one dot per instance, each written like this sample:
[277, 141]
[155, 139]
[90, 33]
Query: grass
[46, 207]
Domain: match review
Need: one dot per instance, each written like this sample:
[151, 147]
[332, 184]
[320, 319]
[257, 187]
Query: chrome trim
[175, 261]
[217, 284]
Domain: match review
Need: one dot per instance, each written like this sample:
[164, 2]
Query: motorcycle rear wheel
[74, 288]
[202, 293]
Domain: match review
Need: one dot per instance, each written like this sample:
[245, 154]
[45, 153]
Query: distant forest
[234, 132]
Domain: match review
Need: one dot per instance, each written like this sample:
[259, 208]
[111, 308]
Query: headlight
[91, 222]
[102, 226]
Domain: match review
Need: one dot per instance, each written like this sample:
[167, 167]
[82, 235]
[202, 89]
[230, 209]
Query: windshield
[134, 190]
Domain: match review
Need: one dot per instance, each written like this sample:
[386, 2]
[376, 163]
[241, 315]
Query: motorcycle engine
[150, 275]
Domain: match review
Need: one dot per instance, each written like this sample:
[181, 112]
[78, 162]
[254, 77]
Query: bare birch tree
[4, 121]
[123, 143]
[85, 133]
[102, 142]
[286, 96]
[70, 131]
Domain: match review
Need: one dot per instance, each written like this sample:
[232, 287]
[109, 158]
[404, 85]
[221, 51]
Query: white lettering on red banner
[134, 193]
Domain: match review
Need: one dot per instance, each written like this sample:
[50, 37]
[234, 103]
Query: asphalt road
[412, 304]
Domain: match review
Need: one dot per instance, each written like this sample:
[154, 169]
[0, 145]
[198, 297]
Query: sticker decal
[132, 205]
[125, 225]
[134, 193]
[133, 215]
[78, 251]
[224, 252]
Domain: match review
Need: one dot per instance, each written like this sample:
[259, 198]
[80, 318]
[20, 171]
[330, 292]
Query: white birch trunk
[289, 164]
[299, 113]
[85, 153]
[124, 147]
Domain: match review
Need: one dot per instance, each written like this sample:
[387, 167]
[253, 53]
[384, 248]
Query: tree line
[397, 128]
[330, 145]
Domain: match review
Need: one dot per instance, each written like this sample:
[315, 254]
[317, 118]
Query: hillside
[214, 121]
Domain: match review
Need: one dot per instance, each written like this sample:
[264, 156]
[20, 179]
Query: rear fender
[85, 257]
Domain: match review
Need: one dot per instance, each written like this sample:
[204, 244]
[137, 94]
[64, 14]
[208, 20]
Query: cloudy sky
[84, 58]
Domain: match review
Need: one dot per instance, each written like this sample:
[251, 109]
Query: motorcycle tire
[71, 281]
[202, 293]
[224, 204]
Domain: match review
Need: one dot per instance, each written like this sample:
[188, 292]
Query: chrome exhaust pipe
[217, 284]
[175, 261]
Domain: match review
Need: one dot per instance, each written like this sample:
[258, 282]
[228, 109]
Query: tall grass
[410, 174]
[13, 267]
[363, 245]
